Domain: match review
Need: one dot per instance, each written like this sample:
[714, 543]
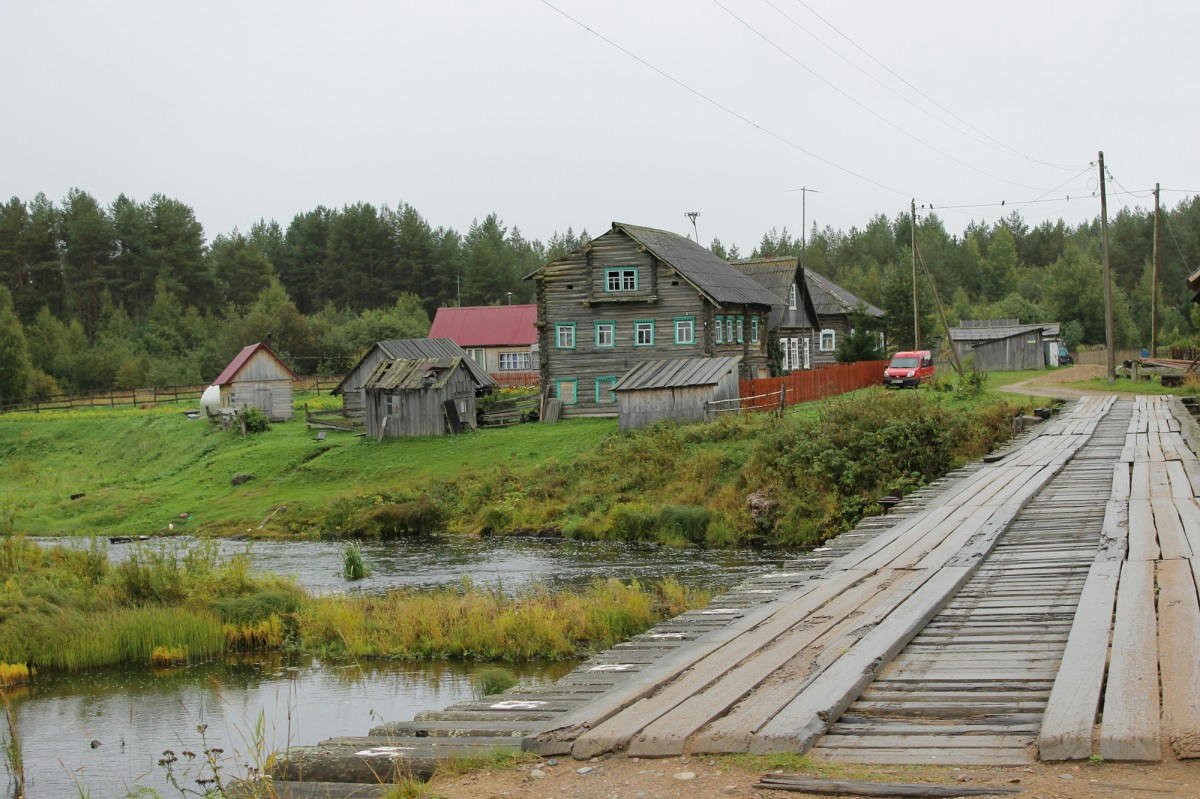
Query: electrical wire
[897, 76]
[863, 105]
[717, 104]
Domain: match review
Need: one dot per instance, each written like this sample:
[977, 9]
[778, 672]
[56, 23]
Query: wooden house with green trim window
[637, 294]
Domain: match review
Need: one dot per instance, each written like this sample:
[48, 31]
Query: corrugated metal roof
[707, 272]
[677, 372]
[242, 358]
[487, 325]
[422, 348]
[1049, 329]
[828, 298]
[407, 374]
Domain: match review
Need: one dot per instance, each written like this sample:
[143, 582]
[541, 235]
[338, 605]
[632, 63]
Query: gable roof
[242, 358]
[711, 276]
[829, 298]
[487, 325]
[421, 348]
[678, 372]
[407, 374]
[777, 275]
[978, 331]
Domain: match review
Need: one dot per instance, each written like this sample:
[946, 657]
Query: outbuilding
[675, 389]
[1004, 345]
[419, 397]
[258, 378]
[351, 387]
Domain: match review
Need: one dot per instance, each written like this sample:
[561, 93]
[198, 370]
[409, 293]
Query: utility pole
[804, 190]
[1108, 308]
[1154, 285]
[916, 310]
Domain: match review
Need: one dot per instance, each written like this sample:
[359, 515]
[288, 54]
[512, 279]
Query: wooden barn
[257, 377]
[351, 387]
[1004, 345]
[419, 397]
[674, 389]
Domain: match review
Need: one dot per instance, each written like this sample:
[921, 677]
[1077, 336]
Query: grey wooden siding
[1022, 351]
[572, 290]
[261, 383]
[418, 412]
[641, 407]
[353, 401]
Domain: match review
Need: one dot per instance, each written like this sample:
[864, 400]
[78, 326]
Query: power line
[901, 78]
[722, 107]
[861, 104]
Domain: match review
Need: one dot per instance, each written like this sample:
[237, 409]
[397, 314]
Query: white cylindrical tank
[210, 400]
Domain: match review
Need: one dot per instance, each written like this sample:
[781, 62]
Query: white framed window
[741, 324]
[806, 350]
[606, 334]
[624, 279]
[478, 355]
[564, 335]
[828, 342]
[516, 360]
[643, 333]
[604, 390]
[882, 342]
[794, 353]
[753, 329]
[685, 330]
[567, 390]
[718, 330]
[729, 339]
[792, 297]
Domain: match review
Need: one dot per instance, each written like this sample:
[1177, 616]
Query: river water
[102, 733]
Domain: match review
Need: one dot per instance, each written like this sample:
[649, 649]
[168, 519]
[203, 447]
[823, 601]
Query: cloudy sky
[557, 113]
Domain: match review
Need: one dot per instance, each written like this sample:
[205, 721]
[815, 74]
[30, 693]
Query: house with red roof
[502, 339]
[258, 377]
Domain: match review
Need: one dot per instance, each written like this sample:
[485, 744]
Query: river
[102, 733]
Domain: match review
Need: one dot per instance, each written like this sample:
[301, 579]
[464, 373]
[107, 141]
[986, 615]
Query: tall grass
[480, 624]
[13, 758]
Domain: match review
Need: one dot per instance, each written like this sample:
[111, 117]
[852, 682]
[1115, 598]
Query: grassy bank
[70, 609]
[138, 471]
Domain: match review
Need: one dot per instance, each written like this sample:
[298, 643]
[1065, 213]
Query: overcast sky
[254, 109]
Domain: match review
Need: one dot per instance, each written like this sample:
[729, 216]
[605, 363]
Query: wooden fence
[773, 393]
[119, 397]
[517, 379]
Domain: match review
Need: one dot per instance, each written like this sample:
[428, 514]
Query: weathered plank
[1143, 539]
[1179, 656]
[1130, 730]
[1172, 541]
[827, 787]
[1120, 482]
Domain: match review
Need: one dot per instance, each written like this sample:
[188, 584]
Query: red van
[908, 369]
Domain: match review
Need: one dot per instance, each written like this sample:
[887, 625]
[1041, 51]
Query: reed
[166, 656]
[490, 625]
[12, 750]
[353, 566]
[14, 674]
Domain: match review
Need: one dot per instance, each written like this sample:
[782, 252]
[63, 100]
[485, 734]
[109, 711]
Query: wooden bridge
[991, 618]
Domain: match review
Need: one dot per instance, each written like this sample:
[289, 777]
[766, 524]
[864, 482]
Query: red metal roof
[242, 358]
[487, 325]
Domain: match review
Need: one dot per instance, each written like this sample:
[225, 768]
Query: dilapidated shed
[351, 387]
[1003, 345]
[675, 389]
[419, 397]
[257, 377]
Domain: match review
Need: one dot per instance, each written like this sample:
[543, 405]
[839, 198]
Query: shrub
[253, 420]
[418, 517]
[632, 521]
[686, 521]
[492, 680]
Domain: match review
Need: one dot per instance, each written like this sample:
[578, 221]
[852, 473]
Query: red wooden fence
[517, 379]
[838, 378]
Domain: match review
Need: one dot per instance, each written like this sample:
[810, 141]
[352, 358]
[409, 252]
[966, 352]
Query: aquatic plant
[14, 674]
[165, 656]
[12, 750]
[353, 566]
[493, 680]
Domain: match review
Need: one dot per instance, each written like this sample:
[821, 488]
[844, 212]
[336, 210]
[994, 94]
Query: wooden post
[1111, 354]
[1154, 284]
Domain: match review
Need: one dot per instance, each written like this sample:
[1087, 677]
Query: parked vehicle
[908, 369]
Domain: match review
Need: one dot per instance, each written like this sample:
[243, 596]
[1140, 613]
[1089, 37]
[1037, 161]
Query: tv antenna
[692, 216]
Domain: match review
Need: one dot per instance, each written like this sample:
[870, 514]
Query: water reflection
[105, 731]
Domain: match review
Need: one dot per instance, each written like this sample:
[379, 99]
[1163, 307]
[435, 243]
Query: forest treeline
[128, 294]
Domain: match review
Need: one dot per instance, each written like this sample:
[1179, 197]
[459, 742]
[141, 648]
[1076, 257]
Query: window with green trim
[643, 333]
[564, 335]
[729, 339]
[753, 329]
[623, 279]
[719, 326]
[567, 390]
[685, 330]
[606, 334]
[604, 390]
[741, 324]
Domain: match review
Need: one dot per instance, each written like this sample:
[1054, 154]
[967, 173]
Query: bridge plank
[1143, 541]
[1130, 730]
[1172, 540]
[1179, 656]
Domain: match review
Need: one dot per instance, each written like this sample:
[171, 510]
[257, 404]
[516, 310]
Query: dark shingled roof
[411, 348]
[977, 331]
[715, 277]
[678, 372]
[830, 298]
[407, 374]
[777, 275]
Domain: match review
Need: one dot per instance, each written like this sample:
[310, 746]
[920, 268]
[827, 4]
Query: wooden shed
[419, 397]
[1003, 345]
[674, 389]
[351, 387]
[257, 377]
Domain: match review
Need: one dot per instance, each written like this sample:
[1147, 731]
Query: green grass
[1125, 386]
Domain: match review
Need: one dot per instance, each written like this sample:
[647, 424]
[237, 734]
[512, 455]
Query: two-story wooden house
[636, 294]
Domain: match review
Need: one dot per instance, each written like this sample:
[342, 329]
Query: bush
[420, 517]
[253, 420]
[632, 521]
[493, 680]
[688, 522]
